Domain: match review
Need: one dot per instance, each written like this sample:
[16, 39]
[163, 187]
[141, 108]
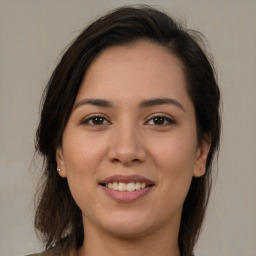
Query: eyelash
[94, 118]
[164, 120]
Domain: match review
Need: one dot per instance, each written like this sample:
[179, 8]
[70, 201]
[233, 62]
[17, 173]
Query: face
[130, 149]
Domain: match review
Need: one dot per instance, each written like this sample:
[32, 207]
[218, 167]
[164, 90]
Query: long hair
[57, 215]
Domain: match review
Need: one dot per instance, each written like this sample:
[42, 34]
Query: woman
[129, 128]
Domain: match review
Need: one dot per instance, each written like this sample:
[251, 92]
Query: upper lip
[126, 179]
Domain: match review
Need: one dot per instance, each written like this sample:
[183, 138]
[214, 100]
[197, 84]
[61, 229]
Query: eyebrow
[94, 102]
[161, 101]
[143, 104]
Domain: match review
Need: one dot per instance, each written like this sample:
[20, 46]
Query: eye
[160, 121]
[96, 121]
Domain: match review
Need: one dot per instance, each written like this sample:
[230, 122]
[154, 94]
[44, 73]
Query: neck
[97, 242]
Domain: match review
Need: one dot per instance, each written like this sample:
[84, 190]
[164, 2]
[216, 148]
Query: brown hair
[57, 214]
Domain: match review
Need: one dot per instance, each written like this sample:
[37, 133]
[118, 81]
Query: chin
[128, 226]
[128, 231]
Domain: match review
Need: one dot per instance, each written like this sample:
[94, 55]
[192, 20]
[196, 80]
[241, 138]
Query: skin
[127, 141]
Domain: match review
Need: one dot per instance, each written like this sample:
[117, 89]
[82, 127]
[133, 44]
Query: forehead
[142, 68]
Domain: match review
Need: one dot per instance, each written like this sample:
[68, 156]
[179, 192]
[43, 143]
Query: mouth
[126, 188]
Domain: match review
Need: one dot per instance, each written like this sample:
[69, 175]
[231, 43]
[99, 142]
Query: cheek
[172, 159]
[175, 153]
[79, 170]
[175, 158]
[82, 154]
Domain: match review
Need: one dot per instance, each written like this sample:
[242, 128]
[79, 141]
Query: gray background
[33, 35]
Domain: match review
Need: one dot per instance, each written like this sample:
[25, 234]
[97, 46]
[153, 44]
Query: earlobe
[201, 158]
[60, 162]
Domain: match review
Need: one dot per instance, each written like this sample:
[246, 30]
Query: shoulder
[65, 247]
[70, 251]
[50, 252]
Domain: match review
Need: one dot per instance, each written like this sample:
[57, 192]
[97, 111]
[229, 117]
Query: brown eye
[160, 120]
[96, 120]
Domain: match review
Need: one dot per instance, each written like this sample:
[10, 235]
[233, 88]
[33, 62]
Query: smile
[129, 187]
[126, 188]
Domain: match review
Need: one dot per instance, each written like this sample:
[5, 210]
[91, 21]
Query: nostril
[126, 154]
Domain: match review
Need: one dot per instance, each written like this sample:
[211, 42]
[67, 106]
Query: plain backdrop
[34, 33]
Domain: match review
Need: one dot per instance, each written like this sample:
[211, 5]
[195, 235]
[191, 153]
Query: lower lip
[126, 196]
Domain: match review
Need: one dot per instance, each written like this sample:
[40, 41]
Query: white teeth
[137, 185]
[121, 186]
[110, 185]
[115, 185]
[131, 186]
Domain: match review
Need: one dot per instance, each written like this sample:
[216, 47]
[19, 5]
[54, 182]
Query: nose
[127, 146]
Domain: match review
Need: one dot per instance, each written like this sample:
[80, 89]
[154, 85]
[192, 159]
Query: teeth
[110, 185]
[131, 186]
[115, 186]
[121, 186]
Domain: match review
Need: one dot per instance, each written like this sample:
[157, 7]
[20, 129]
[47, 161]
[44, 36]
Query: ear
[61, 162]
[201, 157]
